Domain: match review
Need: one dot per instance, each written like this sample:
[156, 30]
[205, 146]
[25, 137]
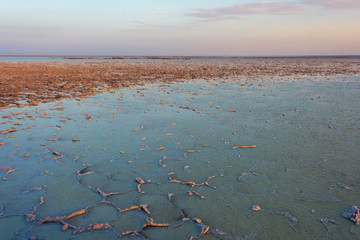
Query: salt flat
[180, 149]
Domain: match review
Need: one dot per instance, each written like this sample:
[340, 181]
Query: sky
[180, 28]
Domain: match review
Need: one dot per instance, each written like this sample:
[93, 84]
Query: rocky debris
[255, 208]
[353, 215]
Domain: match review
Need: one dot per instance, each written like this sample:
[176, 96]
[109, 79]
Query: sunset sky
[183, 27]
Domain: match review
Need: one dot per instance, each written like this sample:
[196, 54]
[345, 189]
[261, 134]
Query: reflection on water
[166, 162]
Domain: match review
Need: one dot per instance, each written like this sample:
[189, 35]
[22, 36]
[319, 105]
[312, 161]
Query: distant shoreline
[109, 57]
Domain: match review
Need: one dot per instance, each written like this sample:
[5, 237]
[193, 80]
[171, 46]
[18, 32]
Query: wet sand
[24, 83]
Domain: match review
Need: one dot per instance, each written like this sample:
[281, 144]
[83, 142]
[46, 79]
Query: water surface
[180, 139]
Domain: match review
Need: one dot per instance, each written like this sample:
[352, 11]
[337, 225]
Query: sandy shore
[25, 83]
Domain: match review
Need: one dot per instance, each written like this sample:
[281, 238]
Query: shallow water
[303, 173]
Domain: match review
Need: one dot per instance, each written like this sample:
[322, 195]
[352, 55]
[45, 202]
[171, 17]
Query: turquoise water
[303, 173]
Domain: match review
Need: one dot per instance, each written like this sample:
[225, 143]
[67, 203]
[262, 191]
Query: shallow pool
[182, 160]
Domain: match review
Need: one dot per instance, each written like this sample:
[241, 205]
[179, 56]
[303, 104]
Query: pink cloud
[251, 8]
[334, 4]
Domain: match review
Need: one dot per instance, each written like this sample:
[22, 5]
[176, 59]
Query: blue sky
[197, 27]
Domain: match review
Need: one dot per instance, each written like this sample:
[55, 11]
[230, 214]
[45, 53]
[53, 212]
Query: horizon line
[180, 56]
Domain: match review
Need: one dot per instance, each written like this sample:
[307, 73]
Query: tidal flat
[255, 148]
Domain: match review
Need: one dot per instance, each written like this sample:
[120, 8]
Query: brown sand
[32, 82]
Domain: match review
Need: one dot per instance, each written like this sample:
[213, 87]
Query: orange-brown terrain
[32, 82]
